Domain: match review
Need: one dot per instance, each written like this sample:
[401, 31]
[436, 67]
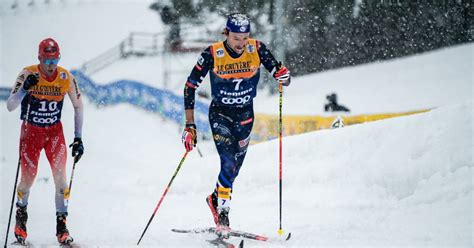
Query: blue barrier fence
[4, 93]
[151, 99]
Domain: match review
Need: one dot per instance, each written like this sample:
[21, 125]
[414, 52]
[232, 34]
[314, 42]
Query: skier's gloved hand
[282, 74]
[31, 80]
[77, 149]
[189, 137]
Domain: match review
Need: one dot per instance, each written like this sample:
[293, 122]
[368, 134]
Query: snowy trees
[322, 35]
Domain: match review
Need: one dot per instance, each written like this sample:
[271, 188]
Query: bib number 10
[52, 106]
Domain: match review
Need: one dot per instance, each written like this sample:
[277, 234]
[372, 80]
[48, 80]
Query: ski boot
[20, 227]
[212, 203]
[223, 225]
[61, 230]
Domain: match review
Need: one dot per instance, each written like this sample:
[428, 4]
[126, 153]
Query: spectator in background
[333, 106]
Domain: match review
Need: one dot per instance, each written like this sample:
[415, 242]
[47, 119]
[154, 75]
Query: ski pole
[280, 230]
[72, 176]
[18, 171]
[13, 200]
[163, 196]
[199, 151]
[280, 127]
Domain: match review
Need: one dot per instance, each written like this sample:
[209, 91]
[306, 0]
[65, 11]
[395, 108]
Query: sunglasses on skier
[51, 61]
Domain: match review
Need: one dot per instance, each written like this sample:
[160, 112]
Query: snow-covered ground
[403, 181]
[400, 182]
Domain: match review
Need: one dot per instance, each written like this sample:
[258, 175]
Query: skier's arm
[18, 92]
[199, 72]
[203, 65]
[266, 57]
[75, 96]
[278, 71]
[189, 98]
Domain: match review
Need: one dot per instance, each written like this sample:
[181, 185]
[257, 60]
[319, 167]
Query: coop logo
[54, 143]
[45, 120]
[236, 100]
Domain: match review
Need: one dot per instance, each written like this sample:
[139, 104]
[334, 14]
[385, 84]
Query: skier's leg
[57, 155]
[232, 155]
[56, 152]
[219, 200]
[224, 187]
[31, 143]
[221, 126]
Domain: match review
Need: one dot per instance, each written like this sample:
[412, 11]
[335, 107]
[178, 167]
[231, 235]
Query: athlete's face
[48, 66]
[237, 41]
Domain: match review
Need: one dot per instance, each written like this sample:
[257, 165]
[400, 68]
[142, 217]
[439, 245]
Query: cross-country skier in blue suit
[234, 68]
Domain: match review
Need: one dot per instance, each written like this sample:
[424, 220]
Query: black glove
[77, 149]
[31, 80]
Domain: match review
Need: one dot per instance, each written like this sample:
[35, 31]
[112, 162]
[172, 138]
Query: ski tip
[181, 230]
[288, 237]
[241, 244]
[70, 245]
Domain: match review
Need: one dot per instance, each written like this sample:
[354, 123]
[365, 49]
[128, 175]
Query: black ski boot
[21, 218]
[223, 225]
[61, 230]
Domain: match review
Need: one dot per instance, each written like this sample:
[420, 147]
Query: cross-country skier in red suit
[40, 90]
